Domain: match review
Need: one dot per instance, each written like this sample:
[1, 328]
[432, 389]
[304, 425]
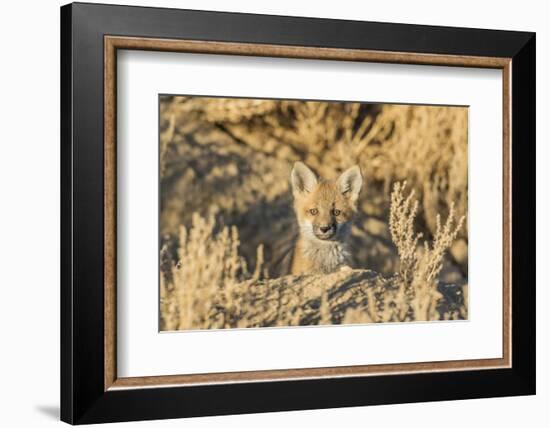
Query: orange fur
[324, 211]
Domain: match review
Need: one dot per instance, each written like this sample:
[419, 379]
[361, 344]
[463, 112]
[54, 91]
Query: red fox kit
[324, 210]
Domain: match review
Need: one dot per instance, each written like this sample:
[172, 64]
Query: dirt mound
[344, 297]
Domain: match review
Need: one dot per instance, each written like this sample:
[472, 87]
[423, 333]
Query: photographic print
[282, 213]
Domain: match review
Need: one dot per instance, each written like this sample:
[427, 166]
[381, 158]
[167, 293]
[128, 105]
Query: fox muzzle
[325, 231]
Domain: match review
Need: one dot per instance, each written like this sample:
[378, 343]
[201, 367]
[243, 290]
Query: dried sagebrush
[420, 265]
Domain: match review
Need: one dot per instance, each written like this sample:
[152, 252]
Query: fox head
[325, 209]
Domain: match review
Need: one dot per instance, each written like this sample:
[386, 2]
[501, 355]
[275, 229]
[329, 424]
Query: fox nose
[325, 229]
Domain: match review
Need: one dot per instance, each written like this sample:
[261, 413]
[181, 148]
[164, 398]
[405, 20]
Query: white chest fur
[325, 256]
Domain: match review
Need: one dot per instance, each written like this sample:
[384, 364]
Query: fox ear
[350, 183]
[302, 179]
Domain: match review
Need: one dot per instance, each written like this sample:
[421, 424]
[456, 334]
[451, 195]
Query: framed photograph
[265, 213]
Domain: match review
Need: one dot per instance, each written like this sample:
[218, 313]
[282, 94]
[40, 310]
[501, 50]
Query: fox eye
[335, 212]
[314, 211]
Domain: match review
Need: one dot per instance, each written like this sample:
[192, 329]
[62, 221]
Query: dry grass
[228, 225]
[212, 287]
[206, 277]
[420, 266]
